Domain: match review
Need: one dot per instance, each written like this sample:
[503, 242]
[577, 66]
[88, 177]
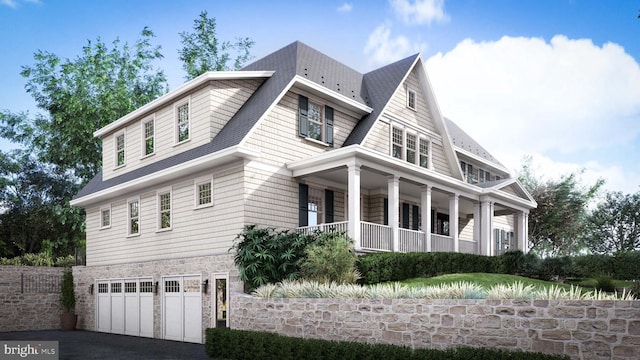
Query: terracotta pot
[68, 321]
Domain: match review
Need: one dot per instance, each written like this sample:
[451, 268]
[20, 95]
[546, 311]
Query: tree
[202, 52]
[557, 226]
[614, 226]
[36, 216]
[81, 96]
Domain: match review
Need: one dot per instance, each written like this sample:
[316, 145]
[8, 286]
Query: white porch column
[425, 216]
[393, 194]
[454, 207]
[477, 221]
[354, 204]
[486, 227]
[522, 221]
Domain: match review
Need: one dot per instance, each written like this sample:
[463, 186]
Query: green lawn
[483, 279]
[591, 283]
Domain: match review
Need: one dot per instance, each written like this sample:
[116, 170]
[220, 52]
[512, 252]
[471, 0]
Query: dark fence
[40, 283]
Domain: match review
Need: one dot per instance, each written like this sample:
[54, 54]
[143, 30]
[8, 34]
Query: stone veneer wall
[204, 265]
[580, 329]
[33, 309]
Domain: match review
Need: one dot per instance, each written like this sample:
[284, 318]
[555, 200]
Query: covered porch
[385, 204]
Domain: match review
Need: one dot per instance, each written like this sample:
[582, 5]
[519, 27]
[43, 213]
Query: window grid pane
[146, 286]
[314, 206]
[424, 153]
[133, 217]
[183, 123]
[411, 148]
[204, 193]
[411, 101]
[315, 121]
[149, 137]
[398, 141]
[165, 211]
[106, 218]
[120, 149]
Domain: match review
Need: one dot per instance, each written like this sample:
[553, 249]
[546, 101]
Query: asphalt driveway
[95, 345]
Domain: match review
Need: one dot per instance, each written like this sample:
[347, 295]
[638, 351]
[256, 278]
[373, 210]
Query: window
[498, 178]
[467, 171]
[424, 152]
[314, 121]
[105, 218]
[134, 216]
[411, 99]
[504, 241]
[397, 143]
[182, 122]
[483, 176]
[120, 159]
[314, 206]
[149, 137]
[164, 210]
[204, 192]
[411, 148]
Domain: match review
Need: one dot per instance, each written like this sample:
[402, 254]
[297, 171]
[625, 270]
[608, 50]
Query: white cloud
[563, 98]
[419, 11]
[345, 8]
[383, 49]
[9, 3]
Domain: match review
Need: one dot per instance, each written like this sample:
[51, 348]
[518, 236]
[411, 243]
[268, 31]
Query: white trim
[159, 193]
[344, 100]
[108, 208]
[143, 136]
[129, 201]
[196, 191]
[174, 172]
[176, 131]
[179, 92]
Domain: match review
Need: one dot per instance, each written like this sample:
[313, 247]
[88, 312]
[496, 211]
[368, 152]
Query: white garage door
[125, 306]
[182, 308]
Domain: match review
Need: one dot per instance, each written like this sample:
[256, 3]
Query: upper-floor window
[105, 217]
[120, 145]
[182, 122]
[164, 210]
[411, 99]
[410, 146]
[467, 171]
[483, 176]
[315, 121]
[134, 216]
[149, 137]
[204, 192]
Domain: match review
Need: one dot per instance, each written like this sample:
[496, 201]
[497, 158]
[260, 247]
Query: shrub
[226, 343]
[330, 258]
[67, 294]
[511, 262]
[604, 282]
[635, 289]
[39, 259]
[264, 255]
[625, 265]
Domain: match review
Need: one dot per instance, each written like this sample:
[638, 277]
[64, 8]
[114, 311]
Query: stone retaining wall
[29, 298]
[580, 329]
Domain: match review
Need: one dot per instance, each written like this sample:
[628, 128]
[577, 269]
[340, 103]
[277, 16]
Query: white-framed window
[204, 192]
[467, 171]
[315, 206]
[411, 148]
[148, 137]
[133, 216]
[315, 121]
[411, 99]
[105, 217]
[483, 176]
[425, 145]
[397, 142]
[183, 121]
[120, 149]
[164, 209]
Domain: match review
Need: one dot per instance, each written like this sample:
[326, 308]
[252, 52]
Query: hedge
[223, 343]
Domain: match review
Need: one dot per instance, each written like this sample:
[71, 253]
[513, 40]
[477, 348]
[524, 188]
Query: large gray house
[295, 140]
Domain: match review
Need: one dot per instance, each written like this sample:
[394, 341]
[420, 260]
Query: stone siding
[580, 329]
[29, 298]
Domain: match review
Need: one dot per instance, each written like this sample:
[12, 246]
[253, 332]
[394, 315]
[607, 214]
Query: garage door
[125, 306]
[182, 308]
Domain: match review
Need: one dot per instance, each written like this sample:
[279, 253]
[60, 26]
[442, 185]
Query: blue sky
[558, 80]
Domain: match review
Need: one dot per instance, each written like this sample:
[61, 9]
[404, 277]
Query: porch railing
[441, 243]
[341, 226]
[375, 237]
[469, 247]
[412, 240]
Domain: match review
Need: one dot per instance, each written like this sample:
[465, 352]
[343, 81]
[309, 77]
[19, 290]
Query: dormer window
[120, 147]
[182, 122]
[149, 137]
[314, 121]
[411, 145]
[411, 99]
[467, 171]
